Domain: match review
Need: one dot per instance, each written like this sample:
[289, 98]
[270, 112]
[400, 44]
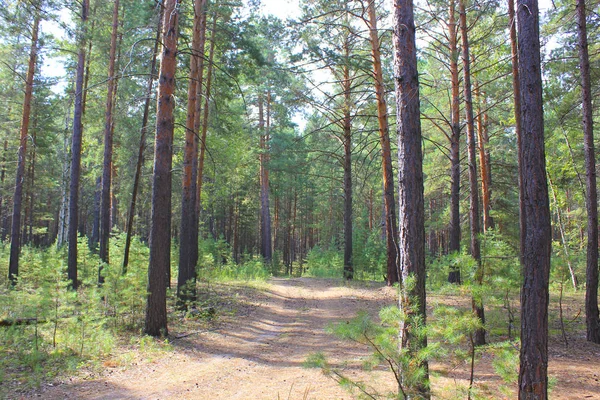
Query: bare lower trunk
[391, 225]
[479, 338]
[76, 152]
[142, 147]
[411, 221]
[15, 246]
[518, 131]
[188, 247]
[454, 228]
[160, 230]
[105, 207]
[533, 371]
[592, 317]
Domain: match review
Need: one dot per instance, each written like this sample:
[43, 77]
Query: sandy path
[257, 356]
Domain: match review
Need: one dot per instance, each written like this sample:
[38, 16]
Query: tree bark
[142, 146]
[391, 225]
[206, 113]
[411, 221]
[484, 160]
[265, 214]
[105, 201]
[188, 246]
[518, 130]
[454, 228]
[474, 215]
[592, 318]
[533, 379]
[76, 151]
[15, 246]
[160, 230]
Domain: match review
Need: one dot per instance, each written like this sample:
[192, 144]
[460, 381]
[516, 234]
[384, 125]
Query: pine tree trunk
[160, 230]
[205, 113]
[474, 214]
[15, 246]
[411, 221]
[265, 215]
[188, 246]
[533, 372]
[105, 208]
[76, 152]
[518, 131]
[592, 318]
[391, 225]
[484, 159]
[142, 147]
[454, 242]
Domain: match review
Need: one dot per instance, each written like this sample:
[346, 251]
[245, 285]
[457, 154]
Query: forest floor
[262, 335]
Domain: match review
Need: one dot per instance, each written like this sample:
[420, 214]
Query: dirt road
[259, 355]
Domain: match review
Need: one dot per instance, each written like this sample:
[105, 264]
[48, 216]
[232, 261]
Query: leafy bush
[324, 263]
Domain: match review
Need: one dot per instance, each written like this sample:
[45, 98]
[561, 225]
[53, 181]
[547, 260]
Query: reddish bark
[592, 318]
[160, 229]
[391, 228]
[484, 160]
[15, 245]
[188, 246]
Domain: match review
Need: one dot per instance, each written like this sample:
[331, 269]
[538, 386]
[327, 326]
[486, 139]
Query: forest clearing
[263, 333]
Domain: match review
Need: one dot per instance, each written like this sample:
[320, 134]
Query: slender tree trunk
[533, 372]
[142, 146]
[484, 159]
[3, 213]
[105, 224]
[411, 221]
[592, 318]
[76, 152]
[475, 249]
[391, 225]
[160, 230]
[265, 215]
[188, 246]
[15, 246]
[454, 243]
[347, 159]
[518, 131]
[563, 236]
[206, 110]
[32, 181]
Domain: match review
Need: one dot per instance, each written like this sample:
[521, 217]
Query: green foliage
[369, 256]
[324, 263]
[216, 263]
[55, 329]
[506, 364]
[383, 338]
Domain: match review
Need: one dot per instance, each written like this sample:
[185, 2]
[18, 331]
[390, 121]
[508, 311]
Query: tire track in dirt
[255, 356]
